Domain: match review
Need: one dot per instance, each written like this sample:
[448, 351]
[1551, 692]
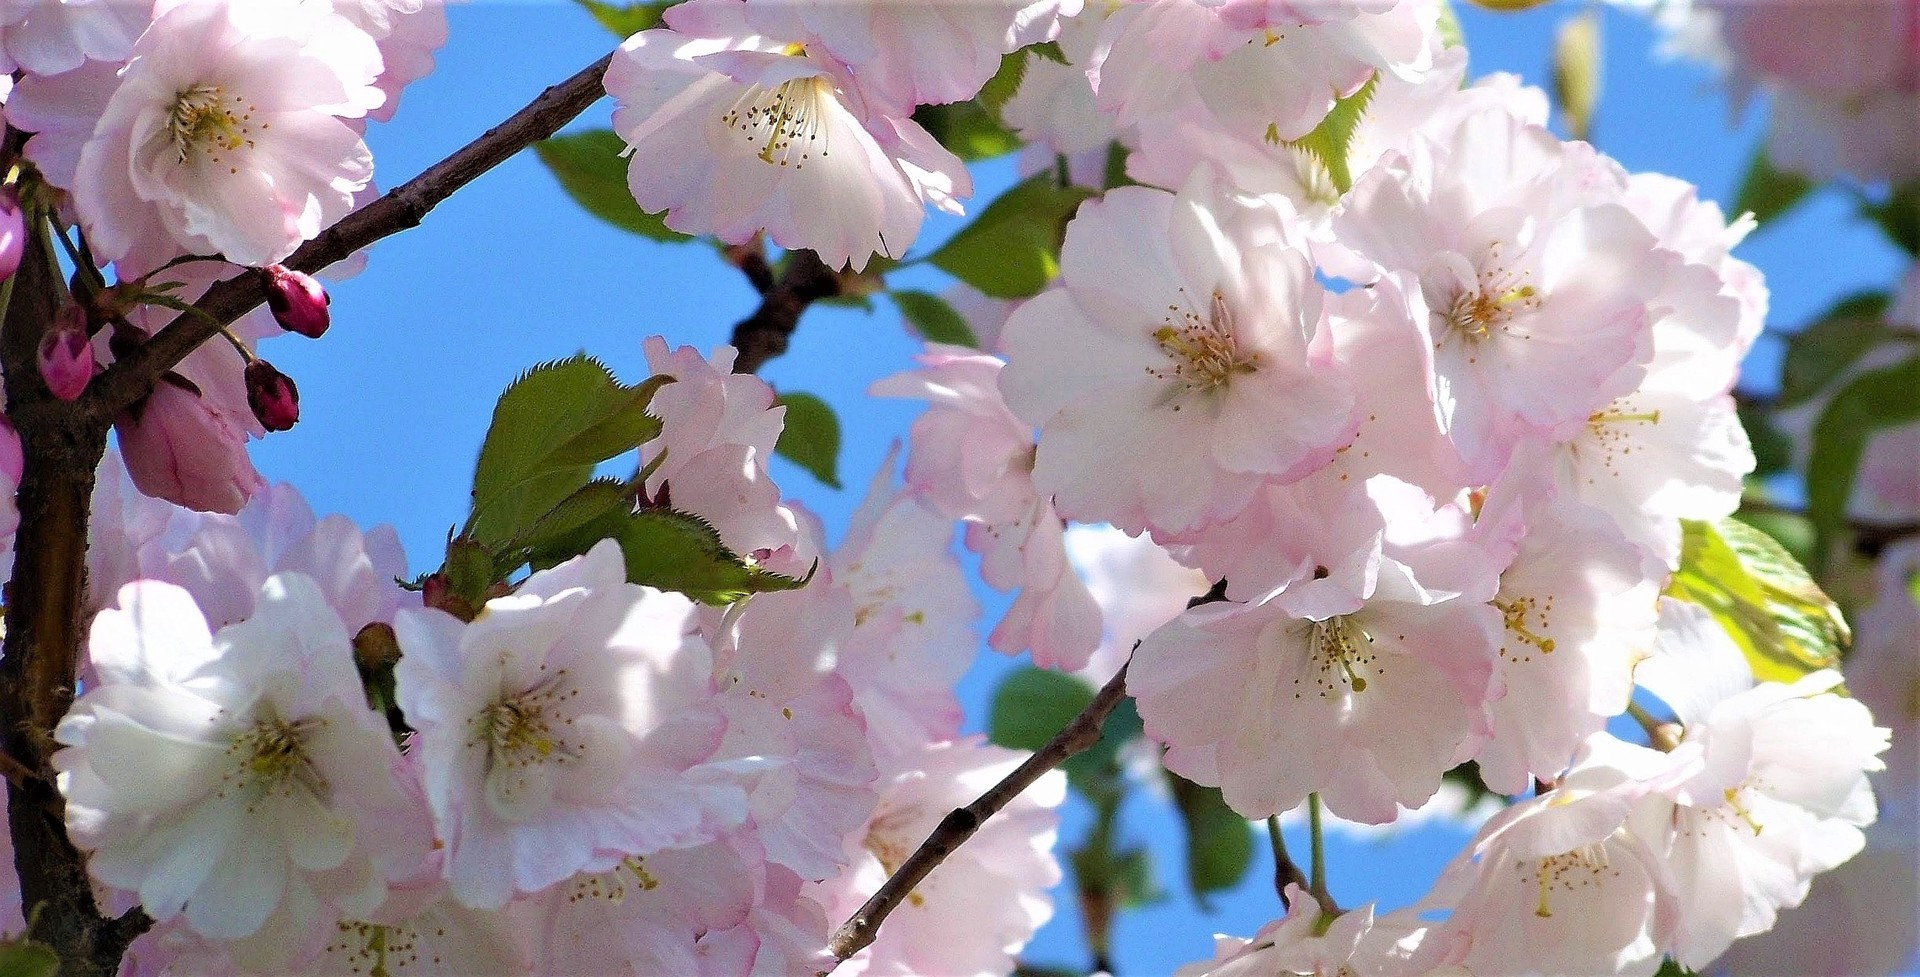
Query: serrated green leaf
[28, 958]
[998, 89]
[1766, 192]
[970, 130]
[1012, 249]
[1577, 71]
[933, 318]
[1825, 350]
[588, 504]
[624, 20]
[1764, 598]
[1794, 532]
[675, 551]
[1869, 403]
[1899, 216]
[470, 570]
[550, 428]
[811, 437]
[1329, 140]
[1451, 36]
[590, 169]
[1219, 841]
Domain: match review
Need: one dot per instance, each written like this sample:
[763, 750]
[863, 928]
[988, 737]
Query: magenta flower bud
[272, 395]
[66, 357]
[298, 302]
[13, 234]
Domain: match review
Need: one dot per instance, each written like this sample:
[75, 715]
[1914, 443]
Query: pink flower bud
[272, 395]
[298, 302]
[13, 234]
[66, 357]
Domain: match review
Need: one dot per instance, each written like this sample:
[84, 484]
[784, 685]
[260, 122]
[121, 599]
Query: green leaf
[1576, 71]
[1031, 705]
[811, 437]
[624, 20]
[589, 504]
[1767, 602]
[680, 552]
[589, 167]
[934, 319]
[550, 428]
[1772, 450]
[470, 570]
[971, 130]
[1012, 250]
[1671, 968]
[1825, 350]
[1329, 140]
[1867, 404]
[1219, 841]
[1899, 216]
[28, 958]
[1766, 192]
[1794, 532]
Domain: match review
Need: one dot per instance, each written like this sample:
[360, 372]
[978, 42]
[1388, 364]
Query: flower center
[1516, 612]
[270, 757]
[528, 728]
[1338, 649]
[786, 124]
[1201, 352]
[1495, 300]
[1581, 868]
[614, 886]
[375, 950]
[205, 119]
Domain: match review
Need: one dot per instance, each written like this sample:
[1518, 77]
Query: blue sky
[510, 272]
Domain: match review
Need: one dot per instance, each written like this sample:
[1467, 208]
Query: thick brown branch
[61, 445]
[954, 829]
[764, 334]
[405, 206]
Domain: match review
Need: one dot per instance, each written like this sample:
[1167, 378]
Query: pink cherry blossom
[1183, 357]
[562, 731]
[281, 789]
[780, 141]
[181, 447]
[233, 131]
[43, 38]
[1137, 586]
[407, 32]
[1883, 672]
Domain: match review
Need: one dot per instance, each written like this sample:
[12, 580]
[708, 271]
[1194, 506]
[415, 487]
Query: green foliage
[1219, 841]
[811, 437]
[1767, 602]
[1819, 354]
[1766, 192]
[624, 20]
[934, 319]
[1794, 532]
[1576, 71]
[1869, 403]
[1772, 450]
[589, 167]
[680, 552]
[28, 958]
[971, 130]
[1012, 249]
[1671, 968]
[1328, 142]
[1899, 216]
[550, 428]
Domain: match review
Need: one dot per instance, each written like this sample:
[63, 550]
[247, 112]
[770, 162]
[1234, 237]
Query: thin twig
[1285, 872]
[954, 829]
[131, 376]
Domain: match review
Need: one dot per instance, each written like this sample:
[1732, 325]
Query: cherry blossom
[44, 38]
[791, 138]
[563, 730]
[1183, 358]
[282, 787]
[234, 130]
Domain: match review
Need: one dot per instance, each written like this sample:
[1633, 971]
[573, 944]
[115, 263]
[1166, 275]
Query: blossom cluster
[1427, 391]
[589, 776]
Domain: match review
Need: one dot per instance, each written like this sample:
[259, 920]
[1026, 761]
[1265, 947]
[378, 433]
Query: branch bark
[953, 831]
[405, 206]
[764, 334]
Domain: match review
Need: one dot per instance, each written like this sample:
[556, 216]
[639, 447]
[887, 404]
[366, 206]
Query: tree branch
[405, 206]
[764, 334]
[954, 829]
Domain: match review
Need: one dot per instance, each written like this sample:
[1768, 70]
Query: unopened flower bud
[66, 357]
[13, 234]
[272, 395]
[299, 303]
